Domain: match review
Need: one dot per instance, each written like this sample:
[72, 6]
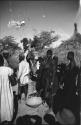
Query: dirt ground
[24, 109]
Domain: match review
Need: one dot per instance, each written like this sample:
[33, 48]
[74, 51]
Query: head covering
[5, 54]
[65, 117]
[49, 52]
[70, 55]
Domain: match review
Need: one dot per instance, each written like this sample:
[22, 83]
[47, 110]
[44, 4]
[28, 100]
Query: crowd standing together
[57, 84]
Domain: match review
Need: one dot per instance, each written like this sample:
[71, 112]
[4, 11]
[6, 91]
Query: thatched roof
[72, 44]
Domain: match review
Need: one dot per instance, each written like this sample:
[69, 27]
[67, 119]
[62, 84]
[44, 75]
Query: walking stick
[52, 95]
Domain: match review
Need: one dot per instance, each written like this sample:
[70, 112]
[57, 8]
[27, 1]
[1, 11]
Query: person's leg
[15, 106]
[26, 90]
[20, 92]
[46, 88]
[38, 87]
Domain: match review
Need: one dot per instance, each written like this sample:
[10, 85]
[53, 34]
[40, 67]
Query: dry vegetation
[72, 44]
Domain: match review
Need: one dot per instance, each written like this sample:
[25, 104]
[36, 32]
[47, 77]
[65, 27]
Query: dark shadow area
[15, 106]
[49, 119]
[28, 120]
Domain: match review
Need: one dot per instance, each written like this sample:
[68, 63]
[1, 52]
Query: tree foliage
[45, 38]
[8, 43]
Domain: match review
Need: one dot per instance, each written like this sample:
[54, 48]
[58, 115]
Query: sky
[78, 19]
[58, 15]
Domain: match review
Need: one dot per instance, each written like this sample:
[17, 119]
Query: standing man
[70, 83]
[23, 75]
[47, 73]
[70, 80]
[48, 78]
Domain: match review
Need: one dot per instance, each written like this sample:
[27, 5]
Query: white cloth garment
[6, 94]
[25, 54]
[5, 62]
[23, 72]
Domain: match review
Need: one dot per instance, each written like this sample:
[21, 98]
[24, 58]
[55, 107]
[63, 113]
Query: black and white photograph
[40, 62]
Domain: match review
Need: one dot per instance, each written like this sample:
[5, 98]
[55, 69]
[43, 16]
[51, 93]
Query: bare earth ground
[23, 109]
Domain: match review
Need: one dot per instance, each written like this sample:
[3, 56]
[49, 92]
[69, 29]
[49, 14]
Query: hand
[51, 83]
[61, 86]
[77, 93]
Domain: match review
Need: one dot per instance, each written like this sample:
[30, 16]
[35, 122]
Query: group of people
[58, 87]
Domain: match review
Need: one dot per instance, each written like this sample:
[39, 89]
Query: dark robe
[70, 86]
[47, 76]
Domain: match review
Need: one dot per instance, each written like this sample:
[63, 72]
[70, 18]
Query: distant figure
[54, 84]
[39, 73]
[55, 76]
[24, 41]
[6, 93]
[75, 28]
[47, 74]
[32, 63]
[23, 75]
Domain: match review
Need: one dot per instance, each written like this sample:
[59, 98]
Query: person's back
[6, 93]
[48, 65]
[24, 70]
[23, 75]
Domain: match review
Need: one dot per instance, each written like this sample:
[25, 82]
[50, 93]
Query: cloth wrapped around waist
[31, 87]
[24, 80]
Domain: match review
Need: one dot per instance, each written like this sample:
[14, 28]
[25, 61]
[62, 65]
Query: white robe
[23, 72]
[6, 95]
[25, 54]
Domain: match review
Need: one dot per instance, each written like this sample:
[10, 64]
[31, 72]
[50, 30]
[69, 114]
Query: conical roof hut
[72, 44]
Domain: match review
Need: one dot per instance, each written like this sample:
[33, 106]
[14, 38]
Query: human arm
[19, 72]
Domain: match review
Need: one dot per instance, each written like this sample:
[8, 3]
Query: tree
[45, 38]
[36, 43]
[8, 43]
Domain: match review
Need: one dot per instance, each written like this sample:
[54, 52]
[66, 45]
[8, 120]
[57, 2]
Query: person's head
[40, 59]
[1, 60]
[24, 41]
[70, 56]
[49, 53]
[21, 57]
[5, 55]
